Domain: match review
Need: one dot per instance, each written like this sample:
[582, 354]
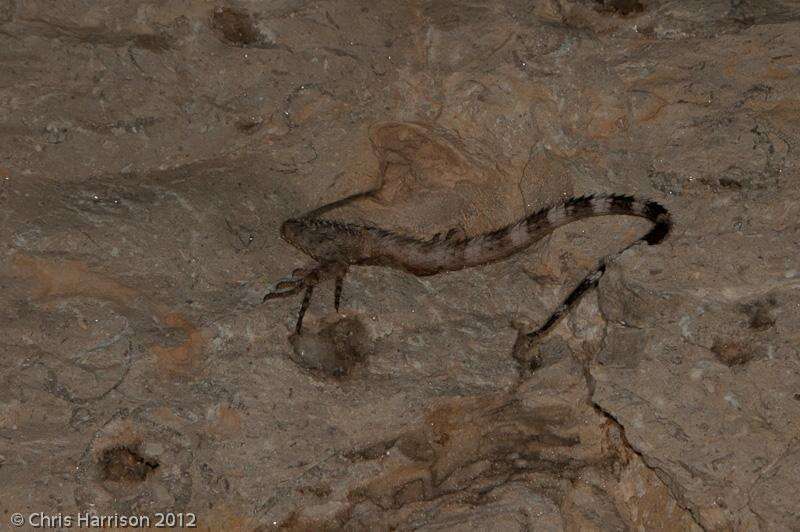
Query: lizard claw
[287, 284]
[283, 288]
[299, 279]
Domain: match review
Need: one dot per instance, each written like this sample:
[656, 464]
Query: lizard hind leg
[526, 341]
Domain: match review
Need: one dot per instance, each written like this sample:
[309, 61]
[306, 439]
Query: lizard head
[319, 239]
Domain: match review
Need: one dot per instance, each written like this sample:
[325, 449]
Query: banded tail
[584, 207]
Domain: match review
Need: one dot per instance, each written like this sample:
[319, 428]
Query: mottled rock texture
[150, 150]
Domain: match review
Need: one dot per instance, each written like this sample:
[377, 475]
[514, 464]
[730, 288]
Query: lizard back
[352, 244]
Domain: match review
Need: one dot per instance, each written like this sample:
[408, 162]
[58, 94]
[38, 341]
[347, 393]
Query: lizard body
[336, 246]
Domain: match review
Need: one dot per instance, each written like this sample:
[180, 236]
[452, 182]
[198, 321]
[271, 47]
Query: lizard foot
[524, 353]
[290, 285]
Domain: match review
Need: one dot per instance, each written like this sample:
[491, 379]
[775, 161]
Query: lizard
[336, 246]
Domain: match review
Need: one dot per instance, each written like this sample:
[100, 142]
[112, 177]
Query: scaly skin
[337, 246]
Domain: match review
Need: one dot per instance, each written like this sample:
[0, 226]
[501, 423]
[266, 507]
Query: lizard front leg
[337, 292]
[303, 307]
[306, 279]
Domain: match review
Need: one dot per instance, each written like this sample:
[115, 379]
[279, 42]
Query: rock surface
[150, 151]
